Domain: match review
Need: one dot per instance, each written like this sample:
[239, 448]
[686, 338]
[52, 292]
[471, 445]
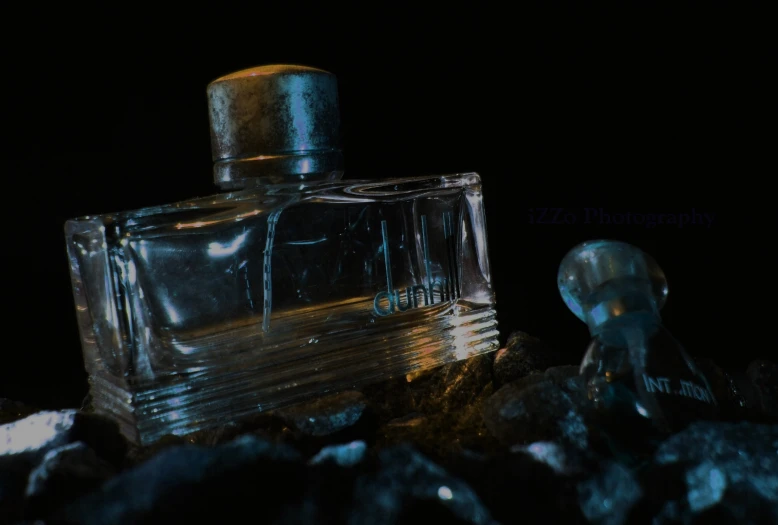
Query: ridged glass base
[222, 382]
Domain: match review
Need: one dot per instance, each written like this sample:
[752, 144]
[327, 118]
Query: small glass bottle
[640, 379]
[291, 284]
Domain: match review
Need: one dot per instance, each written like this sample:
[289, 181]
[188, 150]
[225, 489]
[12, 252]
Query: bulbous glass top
[603, 279]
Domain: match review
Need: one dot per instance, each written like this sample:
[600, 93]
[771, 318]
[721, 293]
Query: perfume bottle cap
[601, 280]
[275, 124]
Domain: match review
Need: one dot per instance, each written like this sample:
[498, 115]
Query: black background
[643, 110]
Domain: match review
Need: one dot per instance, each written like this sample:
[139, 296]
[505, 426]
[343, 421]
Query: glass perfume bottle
[291, 283]
[638, 376]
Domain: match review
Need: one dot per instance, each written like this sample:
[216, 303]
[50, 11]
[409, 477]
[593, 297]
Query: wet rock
[456, 385]
[764, 377]
[65, 473]
[729, 470]
[541, 412]
[523, 355]
[13, 410]
[200, 484]
[608, 497]
[406, 487]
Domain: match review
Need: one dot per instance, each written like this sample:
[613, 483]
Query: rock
[456, 385]
[30, 438]
[65, 473]
[347, 456]
[541, 412]
[608, 497]
[523, 355]
[439, 434]
[327, 415]
[406, 487]
[266, 425]
[13, 410]
[578, 390]
[140, 454]
[199, 484]
[308, 426]
[392, 398]
[764, 377]
[329, 420]
[728, 470]
[469, 431]
[24, 443]
[560, 374]
[517, 488]
[562, 460]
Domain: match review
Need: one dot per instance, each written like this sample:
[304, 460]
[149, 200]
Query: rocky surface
[503, 438]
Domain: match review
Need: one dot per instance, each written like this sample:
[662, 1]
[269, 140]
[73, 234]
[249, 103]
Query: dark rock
[541, 412]
[200, 484]
[140, 454]
[729, 470]
[307, 426]
[609, 495]
[327, 415]
[559, 374]
[330, 420]
[65, 473]
[517, 488]
[392, 398]
[406, 487]
[24, 443]
[456, 385]
[529, 380]
[265, 425]
[523, 355]
[439, 434]
[764, 376]
[577, 389]
[741, 505]
[431, 434]
[13, 410]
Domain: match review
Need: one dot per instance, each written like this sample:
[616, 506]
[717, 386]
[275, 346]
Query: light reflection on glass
[216, 249]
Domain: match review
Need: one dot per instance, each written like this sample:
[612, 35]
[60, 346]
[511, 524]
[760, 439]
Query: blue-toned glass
[637, 374]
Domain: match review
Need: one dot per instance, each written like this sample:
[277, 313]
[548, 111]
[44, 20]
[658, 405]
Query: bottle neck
[271, 170]
[635, 309]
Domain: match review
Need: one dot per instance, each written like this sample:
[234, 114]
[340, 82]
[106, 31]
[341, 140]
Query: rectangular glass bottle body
[200, 312]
